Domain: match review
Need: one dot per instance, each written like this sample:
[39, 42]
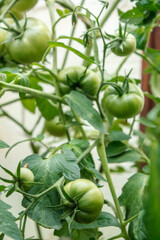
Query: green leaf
[3, 145]
[155, 99]
[66, 163]
[2, 188]
[23, 81]
[127, 156]
[115, 148]
[78, 53]
[60, 12]
[48, 110]
[83, 107]
[133, 194]
[7, 223]
[84, 234]
[45, 171]
[105, 219]
[137, 230]
[147, 122]
[152, 204]
[95, 173]
[118, 136]
[133, 16]
[29, 104]
[79, 143]
[72, 38]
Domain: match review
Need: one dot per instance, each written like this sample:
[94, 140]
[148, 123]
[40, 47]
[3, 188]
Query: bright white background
[10, 133]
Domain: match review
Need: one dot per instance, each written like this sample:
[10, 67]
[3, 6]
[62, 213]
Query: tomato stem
[102, 154]
[31, 91]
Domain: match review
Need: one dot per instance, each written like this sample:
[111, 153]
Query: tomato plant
[123, 105]
[87, 155]
[87, 197]
[33, 43]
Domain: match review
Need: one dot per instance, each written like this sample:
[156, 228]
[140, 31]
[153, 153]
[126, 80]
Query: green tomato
[26, 178]
[33, 43]
[54, 129]
[78, 77]
[88, 199]
[125, 46]
[126, 106]
[22, 5]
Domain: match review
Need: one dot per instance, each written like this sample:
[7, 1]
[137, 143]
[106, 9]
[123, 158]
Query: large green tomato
[78, 77]
[127, 105]
[54, 129]
[33, 43]
[22, 5]
[125, 46]
[87, 198]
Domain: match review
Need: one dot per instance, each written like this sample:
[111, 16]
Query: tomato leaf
[3, 145]
[127, 156]
[137, 228]
[115, 148]
[83, 107]
[147, 122]
[133, 200]
[78, 53]
[155, 99]
[7, 222]
[118, 136]
[45, 172]
[66, 163]
[47, 109]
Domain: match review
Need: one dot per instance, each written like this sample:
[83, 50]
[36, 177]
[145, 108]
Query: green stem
[13, 101]
[38, 231]
[103, 158]
[24, 225]
[15, 121]
[80, 126]
[143, 155]
[149, 61]
[31, 91]
[88, 150]
[105, 18]
[51, 7]
[69, 44]
[70, 41]
[116, 237]
[131, 219]
[131, 128]
[121, 64]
